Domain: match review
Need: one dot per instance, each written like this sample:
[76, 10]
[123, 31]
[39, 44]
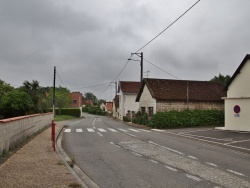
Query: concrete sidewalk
[36, 165]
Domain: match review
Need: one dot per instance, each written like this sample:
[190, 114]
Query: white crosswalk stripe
[135, 130]
[144, 130]
[123, 130]
[67, 130]
[79, 130]
[102, 130]
[90, 130]
[113, 130]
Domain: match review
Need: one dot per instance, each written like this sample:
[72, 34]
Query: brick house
[109, 106]
[237, 102]
[127, 92]
[76, 99]
[158, 95]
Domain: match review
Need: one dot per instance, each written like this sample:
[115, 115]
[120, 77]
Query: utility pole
[54, 86]
[141, 56]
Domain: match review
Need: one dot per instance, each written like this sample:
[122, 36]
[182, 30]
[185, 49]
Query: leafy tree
[5, 88]
[91, 96]
[16, 103]
[222, 79]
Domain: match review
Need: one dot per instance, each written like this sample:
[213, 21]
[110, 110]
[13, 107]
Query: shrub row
[187, 118]
[141, 119]
[68, 111]
[94, 110]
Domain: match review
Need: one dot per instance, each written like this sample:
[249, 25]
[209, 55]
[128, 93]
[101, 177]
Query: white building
[127, 92]
[237, 102]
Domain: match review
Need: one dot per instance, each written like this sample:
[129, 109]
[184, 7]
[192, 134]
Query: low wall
[15, 130]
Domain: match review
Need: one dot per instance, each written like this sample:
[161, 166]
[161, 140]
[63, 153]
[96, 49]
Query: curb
[75, 170]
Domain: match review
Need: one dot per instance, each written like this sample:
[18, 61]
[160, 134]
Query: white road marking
[113, 130]
[159, 130]
[123, 130]
[94, 127]
[102, 130]
[99, 134]
[192, 135]
[144, 130]
[193, 177]
[79, 130]
[134, 130]
[94, 122]
[194, 131]
[132, 135]
[137, 154]
[111, 143]
[234, 172]
[192, 157]
[153, 161]
[90, 130]
[166, 148]
[170, 168]
[237, 141]
[212, 164]
[67, 130]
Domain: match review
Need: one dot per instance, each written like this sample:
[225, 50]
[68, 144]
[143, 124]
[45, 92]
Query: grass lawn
[63, 117]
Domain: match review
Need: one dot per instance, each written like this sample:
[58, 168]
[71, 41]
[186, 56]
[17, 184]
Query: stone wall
[163, 106]
[15, 130]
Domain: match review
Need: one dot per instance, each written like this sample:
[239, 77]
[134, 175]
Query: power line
[169, 25]
[162, 69]
[85, 87]
[60, 78]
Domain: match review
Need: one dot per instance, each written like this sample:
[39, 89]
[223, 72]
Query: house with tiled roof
[158, 95]
[237, 102]
[127, 91]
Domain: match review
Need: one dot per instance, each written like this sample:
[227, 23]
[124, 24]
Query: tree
[5, 88]
[222, 79]
[91, 96]
[16, 103]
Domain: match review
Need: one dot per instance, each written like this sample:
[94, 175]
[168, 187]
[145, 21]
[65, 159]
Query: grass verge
[63, 117]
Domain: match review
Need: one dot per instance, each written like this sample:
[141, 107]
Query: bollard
[53, 135]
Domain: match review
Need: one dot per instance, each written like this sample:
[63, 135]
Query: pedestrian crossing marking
[113, 130]
[123, 130]
[134, 130]
[90, 130]
[102, 130]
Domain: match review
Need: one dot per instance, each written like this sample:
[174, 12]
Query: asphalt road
[114, 154]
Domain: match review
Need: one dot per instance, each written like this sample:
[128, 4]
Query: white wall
[147, 100]
[239, 94]
[127, 102]
[241, 122]
[15, 130]
[240, 85]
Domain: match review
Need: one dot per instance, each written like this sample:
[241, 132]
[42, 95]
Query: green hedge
[187, 118]
[69, 111]
[94, 110]
[141, 119]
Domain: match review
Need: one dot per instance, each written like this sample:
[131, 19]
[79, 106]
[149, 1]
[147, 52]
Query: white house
[237, 102]
[127, 92]
[160, 95]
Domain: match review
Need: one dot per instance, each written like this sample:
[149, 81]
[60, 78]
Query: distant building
[237, 102]
[76, 99]
[87, 102]
[116, 110]
[109, 106]
[160, 95]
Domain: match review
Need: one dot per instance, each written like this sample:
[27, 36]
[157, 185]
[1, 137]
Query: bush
[187, 118]
[125, 118]
[68, 111]
[141, 119]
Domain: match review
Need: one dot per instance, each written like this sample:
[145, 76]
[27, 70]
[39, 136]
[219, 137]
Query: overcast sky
[89, 41]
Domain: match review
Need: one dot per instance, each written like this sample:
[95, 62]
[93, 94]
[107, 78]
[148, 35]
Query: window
[143, 110]
[74, 101]
[150, 111]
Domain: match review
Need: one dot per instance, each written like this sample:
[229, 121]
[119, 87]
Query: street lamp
[141, 56]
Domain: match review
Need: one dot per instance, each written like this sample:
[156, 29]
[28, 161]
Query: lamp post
[141, 56]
